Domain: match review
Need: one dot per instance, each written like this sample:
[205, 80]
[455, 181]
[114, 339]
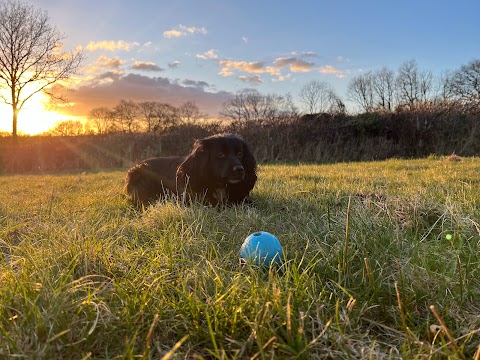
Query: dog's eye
[240, 154]
[221, 154]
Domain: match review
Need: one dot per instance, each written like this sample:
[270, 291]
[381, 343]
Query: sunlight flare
[34, 118]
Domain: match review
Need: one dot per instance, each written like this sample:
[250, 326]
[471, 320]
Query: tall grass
[381, 261]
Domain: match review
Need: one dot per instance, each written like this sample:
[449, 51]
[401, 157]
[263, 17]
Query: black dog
[219, 170]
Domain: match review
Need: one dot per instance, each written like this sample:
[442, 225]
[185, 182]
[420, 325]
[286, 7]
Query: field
[381, 261]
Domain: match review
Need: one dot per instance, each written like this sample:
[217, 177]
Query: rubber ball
[261, 248]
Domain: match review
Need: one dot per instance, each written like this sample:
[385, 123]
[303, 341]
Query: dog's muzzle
[238, 175]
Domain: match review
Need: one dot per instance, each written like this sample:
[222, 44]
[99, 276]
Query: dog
[219, 170]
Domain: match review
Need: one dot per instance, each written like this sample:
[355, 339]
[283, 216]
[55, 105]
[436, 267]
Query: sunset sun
[34, 118]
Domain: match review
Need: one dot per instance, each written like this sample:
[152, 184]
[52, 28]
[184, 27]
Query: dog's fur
[219, 170]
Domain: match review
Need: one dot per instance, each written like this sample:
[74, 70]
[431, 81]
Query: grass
[381, 261]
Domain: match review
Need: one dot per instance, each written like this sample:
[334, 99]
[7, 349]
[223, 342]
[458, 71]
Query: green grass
[83, 275]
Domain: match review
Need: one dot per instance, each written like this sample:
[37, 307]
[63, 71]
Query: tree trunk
[14, 124]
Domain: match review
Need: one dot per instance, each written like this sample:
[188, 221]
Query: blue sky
[175, 51]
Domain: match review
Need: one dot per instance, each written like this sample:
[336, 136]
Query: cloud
[193, 83]
[183, 30]
[279, 69]
[109, 62]
[209, 55]
[342, 59]
[175, 64]
[101, 78]
[252, 80]
[111, 45]
[256, 67]
[173, 34]
[245, 39]
[309, 54]
[110, 75]
[146, 66]
[104, 62]
[108, 88]
[329, 69]
[295, 64]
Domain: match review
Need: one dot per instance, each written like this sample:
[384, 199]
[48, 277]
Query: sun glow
[34, 118]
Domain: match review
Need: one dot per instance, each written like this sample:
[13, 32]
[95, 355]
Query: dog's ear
[192, 173]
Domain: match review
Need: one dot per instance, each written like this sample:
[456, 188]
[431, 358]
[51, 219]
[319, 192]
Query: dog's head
[219, 161]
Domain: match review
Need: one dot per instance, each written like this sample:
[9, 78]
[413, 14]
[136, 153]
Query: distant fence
[312, 138]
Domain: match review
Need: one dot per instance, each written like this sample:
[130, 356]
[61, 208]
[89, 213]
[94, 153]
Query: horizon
[186, 51]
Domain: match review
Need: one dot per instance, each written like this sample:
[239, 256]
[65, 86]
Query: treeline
[410, 119]
[129, 116]
[310, 138]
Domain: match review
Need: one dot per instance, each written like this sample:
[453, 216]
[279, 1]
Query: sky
[207, 50]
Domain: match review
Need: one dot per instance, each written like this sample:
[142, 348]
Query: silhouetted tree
[189, 113]
[360, 91]
[337, 106]
[68, 128]
[148, 111]
[103, 119]
[317, 96]
[413, 86]
[31, 60]
[383, 86]
[250, 105]
[166, 117]
[126, 114]
[464, 84]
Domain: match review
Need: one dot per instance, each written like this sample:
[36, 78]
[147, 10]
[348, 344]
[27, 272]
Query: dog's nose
[238, 169]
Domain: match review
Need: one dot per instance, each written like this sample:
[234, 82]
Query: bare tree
[407, 83]
[68, 128]
[250, 105]
[413, 86]
[189, 113]
[148, 111]
[360, 91]
[166, 117]
[316, 96]
[103, 119]
[31, 60]
[288, 109]
[383, 84]
[244, 106]
[337, 106]
[464, 84]
[126, 113]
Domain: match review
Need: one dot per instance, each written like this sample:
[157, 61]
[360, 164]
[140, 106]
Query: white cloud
[109, 45]
[309, 54]
[253, 80]
[175, 64]
[255, 67]
[279, 69]
[183, 30]
[172, 34]
[329, 69]
[295, 64]
[209, 55]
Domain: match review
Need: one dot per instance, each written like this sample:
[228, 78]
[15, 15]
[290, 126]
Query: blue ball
[261, 248]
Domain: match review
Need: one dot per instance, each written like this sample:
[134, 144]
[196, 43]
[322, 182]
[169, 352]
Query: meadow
[380, 261]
